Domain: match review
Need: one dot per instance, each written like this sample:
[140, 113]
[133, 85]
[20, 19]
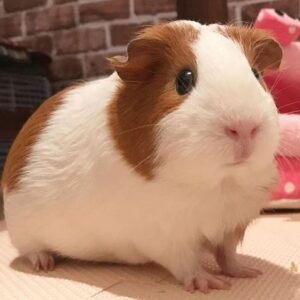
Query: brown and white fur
[124, 169]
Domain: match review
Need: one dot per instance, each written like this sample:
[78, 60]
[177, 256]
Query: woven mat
[272, 244]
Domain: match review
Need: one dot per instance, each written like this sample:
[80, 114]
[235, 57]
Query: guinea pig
[167, 159]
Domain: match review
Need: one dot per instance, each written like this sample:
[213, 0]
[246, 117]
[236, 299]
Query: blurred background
[46, 45]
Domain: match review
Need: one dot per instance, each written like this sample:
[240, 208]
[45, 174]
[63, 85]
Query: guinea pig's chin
[256, 161]
[261, 156]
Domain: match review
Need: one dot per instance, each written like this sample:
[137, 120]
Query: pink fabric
[289, 144]
[285, 87]
[284, 28]
[289, 175]
[288, 158]
[285, 83]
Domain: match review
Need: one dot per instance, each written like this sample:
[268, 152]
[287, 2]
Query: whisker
[275, 83]
[289, 104]
[142, 161]
[137, 128]
[293, 112]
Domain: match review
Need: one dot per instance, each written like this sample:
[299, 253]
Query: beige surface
[284, 203]
[271, 244]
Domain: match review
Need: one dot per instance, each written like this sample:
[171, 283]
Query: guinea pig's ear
[143, 59]
[260, 47]
[267, 52]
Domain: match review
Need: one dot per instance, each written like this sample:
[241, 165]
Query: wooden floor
[271, 244]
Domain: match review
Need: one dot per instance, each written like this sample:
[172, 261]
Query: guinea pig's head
[191, 100]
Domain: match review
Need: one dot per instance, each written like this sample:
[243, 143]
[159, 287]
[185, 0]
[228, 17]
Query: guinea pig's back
[58, 161]
[61, 134]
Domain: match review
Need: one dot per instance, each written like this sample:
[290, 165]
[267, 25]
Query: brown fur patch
[27, 136]
[146, 92]
[260, 48]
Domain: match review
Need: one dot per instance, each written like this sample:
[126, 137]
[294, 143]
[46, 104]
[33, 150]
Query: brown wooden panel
[203, 11]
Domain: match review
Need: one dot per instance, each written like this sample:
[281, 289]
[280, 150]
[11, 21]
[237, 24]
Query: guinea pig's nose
[242, 130]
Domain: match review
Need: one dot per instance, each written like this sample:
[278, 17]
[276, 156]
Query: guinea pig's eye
[185, 81]
[256, 73]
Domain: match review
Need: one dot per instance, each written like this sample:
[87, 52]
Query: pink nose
[242, 130]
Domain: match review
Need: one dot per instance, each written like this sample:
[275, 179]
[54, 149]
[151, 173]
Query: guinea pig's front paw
[42, 260]
[240, 271]
[205, 282]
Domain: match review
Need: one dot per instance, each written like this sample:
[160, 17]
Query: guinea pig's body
[112, 171]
